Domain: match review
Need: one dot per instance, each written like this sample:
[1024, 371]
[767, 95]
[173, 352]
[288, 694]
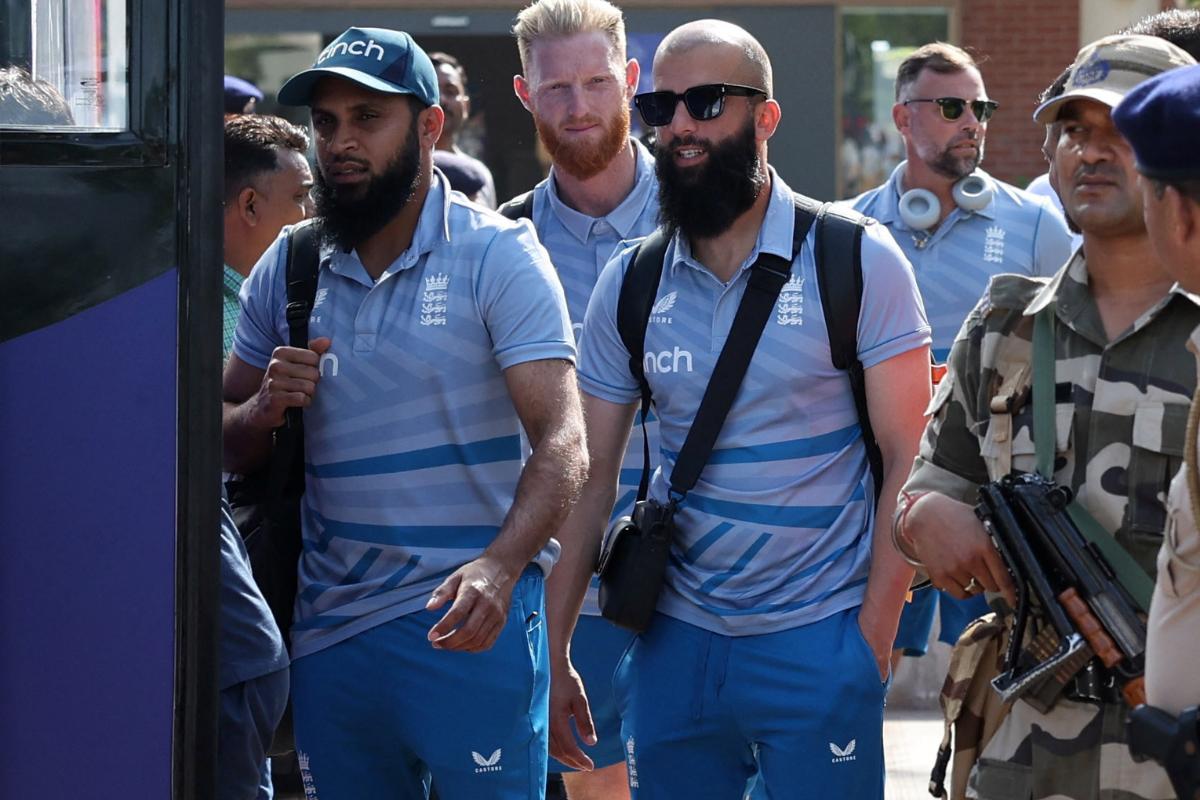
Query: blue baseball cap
[380, 59]
[1161, 120]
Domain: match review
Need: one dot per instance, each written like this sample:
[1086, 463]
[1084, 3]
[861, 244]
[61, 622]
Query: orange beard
[582, 161]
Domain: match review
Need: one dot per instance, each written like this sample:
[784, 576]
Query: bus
[110, 260]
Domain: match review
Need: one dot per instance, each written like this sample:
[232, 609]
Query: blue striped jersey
[777, 532]
[412, 443]
[579, 247]
[1015, 232]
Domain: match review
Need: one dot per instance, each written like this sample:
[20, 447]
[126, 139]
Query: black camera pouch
[633, 562]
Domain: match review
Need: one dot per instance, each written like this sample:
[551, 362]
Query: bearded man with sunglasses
[942, 111]
[767, 657]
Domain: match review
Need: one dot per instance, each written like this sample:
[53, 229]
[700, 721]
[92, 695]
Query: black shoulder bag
[266, 503]
[633, 559]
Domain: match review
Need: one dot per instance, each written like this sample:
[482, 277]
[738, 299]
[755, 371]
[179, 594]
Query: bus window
[65, 64]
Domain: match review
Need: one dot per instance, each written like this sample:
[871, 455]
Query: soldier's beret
[1161, 120]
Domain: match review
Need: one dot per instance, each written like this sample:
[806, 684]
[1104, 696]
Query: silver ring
[972, 586]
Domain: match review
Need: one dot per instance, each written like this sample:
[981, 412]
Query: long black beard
[347, 218]
[703, 201]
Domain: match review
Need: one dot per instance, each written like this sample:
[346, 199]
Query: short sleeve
[522, 301]
[263, 321]
[892, 318]
[603, 359]
[1052, 244]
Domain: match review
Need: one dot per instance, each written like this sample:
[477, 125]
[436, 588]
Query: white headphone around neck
[920, 209]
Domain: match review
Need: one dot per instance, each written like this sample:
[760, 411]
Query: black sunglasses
[702, 102]
[953, 107]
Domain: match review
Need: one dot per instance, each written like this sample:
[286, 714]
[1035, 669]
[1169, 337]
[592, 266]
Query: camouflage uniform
[1121, 413]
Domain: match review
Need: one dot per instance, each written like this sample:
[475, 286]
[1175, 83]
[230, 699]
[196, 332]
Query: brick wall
[1026, 43]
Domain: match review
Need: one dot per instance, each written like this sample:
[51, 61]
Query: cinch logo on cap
[359, 48]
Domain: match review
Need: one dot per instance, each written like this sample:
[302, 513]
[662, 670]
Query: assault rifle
[1064, 579]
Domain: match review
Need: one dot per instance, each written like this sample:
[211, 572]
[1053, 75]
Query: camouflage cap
[1107, 69]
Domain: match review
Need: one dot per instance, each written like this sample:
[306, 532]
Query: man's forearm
[580, 537]
[245, 446]
[890, 575]
[548, 487]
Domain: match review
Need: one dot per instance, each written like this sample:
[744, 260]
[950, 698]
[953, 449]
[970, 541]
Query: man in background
[942, 111]
[452, 85]
[267, 183]
[577, 84]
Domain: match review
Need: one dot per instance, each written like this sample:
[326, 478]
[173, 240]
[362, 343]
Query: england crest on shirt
[789, 308]
[435, 300]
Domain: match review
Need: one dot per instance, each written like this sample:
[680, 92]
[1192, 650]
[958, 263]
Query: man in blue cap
[438, 332]
[1161, 121]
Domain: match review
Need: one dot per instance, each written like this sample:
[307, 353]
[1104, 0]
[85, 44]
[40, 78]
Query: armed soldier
[1121, 384]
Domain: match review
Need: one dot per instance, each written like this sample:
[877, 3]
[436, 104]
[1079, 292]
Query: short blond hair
[554, 18]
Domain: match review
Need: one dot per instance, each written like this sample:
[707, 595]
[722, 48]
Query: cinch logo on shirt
[668, 361]
[330, 360]
[359, 48]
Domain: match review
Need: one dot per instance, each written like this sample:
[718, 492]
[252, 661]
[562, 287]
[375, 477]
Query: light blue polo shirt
[1016, 232]
[412, 443]
[579, 247]
[777, 532]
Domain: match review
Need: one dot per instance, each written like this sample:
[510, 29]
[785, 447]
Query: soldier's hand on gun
[954, 547]
[568, 701]
[481, 591]
[290, 381]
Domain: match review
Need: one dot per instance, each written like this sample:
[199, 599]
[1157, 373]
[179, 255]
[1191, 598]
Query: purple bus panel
[87, 574]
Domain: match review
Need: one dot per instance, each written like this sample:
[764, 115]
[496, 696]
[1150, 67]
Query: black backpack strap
[638, 290]
[520, 207]
[840, 279]
[303, 261]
